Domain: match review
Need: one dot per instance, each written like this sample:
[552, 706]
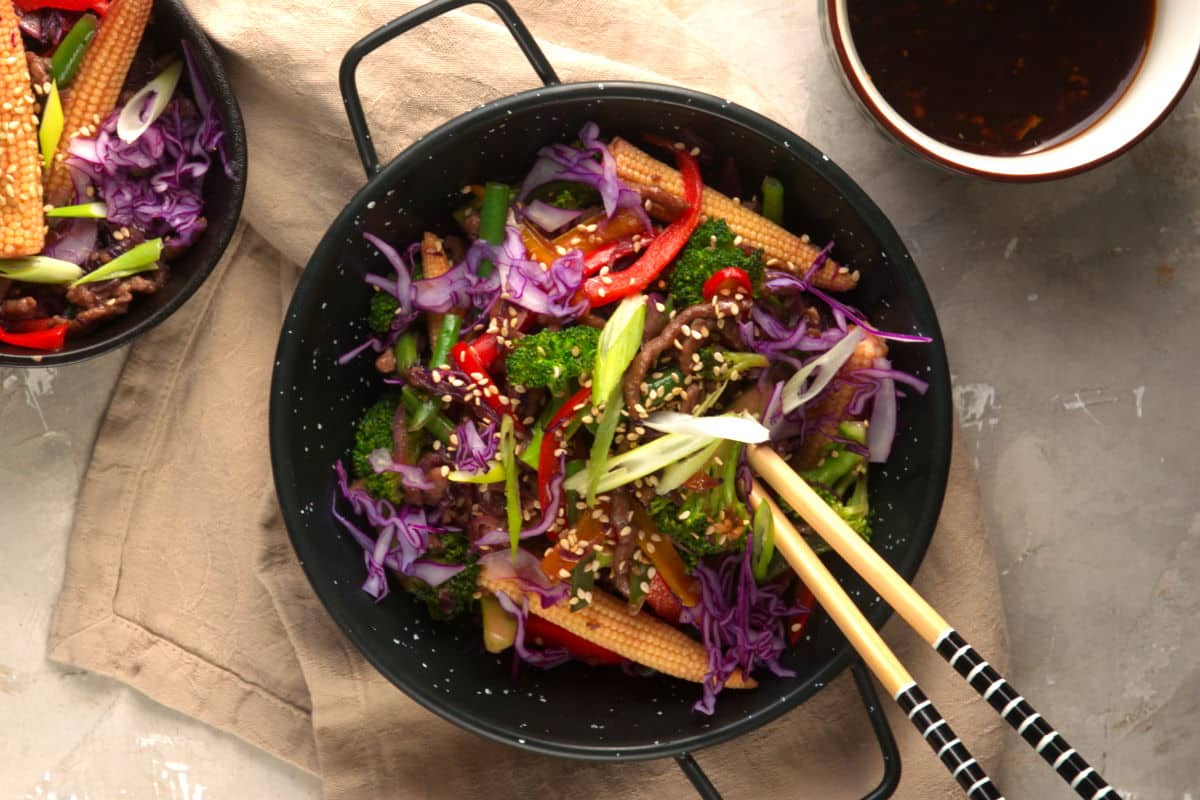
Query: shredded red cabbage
[523, 568]
[785, 281]
[476, 449]
[44, 27]
[73, 241]
[741, 623]
[544, 659]
[550, 218]
[553, 292]
[403, 537]
[155, 182]
[591, 164]
[500, 536]
[411, 476]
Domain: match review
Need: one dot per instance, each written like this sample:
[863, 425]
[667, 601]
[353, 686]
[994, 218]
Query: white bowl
[1169, 64]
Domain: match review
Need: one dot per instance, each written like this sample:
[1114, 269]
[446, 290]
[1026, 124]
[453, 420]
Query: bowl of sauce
[1016, 89]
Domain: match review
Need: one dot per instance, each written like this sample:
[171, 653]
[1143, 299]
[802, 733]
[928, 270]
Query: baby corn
[97, 87]
[22, 225]
[641, 637]
[783, 250]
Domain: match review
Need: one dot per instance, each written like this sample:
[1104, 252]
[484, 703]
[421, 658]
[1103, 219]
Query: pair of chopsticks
[925, 620]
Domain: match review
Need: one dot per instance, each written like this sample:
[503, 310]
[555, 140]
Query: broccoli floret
[709, 249]
[691, 535]
[714, 520]
[374, 431]
[574, 196]
[552, 359]
[840, 478]
[457, 595]
[382, 311]
[720, 363]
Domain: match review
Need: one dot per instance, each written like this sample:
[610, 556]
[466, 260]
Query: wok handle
[883, 734]
[419, 16]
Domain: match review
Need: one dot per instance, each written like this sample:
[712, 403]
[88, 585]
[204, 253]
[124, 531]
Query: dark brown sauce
[1001, 77]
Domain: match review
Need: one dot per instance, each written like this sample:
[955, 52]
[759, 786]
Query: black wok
[314, 404]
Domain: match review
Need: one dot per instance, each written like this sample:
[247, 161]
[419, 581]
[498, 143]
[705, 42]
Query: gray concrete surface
[1070, 313]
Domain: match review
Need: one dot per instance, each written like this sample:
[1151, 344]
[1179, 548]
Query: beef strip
[105, 299]
[713, 312]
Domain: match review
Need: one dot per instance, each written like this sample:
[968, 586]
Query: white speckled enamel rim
[1170, 63]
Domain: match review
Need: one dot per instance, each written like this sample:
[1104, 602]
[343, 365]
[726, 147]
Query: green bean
[423, 414]
[772, 199]
[447, 337]
[406, 351]
[70, 51]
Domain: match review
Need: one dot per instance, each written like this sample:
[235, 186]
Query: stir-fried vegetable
[635, 540]
[114, 193]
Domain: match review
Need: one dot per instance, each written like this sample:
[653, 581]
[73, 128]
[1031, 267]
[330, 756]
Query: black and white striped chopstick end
[1017, 712]
[949, 748]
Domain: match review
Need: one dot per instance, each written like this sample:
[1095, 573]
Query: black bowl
[170, 22]
[314, 404]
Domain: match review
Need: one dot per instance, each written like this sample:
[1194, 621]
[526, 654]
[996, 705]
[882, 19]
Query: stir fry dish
[105, 151]
[569, 381]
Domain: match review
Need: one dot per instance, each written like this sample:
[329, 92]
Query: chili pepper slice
[662, 250]
[487, 346]
[47, 339]
[547, 462]
[544, 632]
[797, 622]
[99, 6]
[726, 280]
[467, 359]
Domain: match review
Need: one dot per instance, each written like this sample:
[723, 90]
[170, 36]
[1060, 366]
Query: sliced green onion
[764, 540]
[51, 129]
[139, 258]
[735, 427]
[512, 492]
[821, 370]
[68, 56]
[148, 104]
[493, 475]
[678, 473]
[82, 211]
[619, 343]
[772, 199]
[529, 456]
[39, 269]
[602, 443]
[639, 462]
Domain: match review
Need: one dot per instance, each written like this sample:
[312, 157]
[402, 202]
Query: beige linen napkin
[180, 580]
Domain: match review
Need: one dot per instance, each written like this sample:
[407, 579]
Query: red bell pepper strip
[797, 622]
[46, 339]
[99, 6]
[728, 279]
[655, 258]
[467, 359]
[547, 461]
[665, 603]
[539, 631]
[606, 255]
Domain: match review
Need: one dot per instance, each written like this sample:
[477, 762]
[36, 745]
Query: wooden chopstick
[876, 654]
[930, 625]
